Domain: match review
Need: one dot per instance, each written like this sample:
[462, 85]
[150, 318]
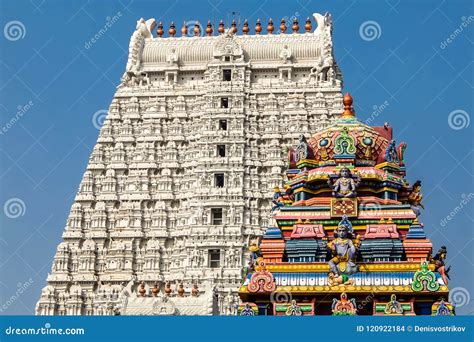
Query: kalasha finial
[155, 290]
[296, 26]
[168, 289]
[221, 28]
[184, 30]
[234, 27]
[209, 28]
[172, 30]
[181, 290]
[258, 27]
[270, 27]
[159, 30]
[348, 110]
[197, 30]
[142, 289]
[245, 29]
[308, 25]
[283, 26]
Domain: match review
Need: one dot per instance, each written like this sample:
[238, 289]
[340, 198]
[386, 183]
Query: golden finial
[184, 30]
[221, 28]
[308, 25]
[296, 26]
[270, 27]
[159, 30]
[209, 28]
[245, 29]
[283, 26]
[258, 27]
[155, 290]
[197, 30]
[234, 27]
[348, 110]
[172, 30]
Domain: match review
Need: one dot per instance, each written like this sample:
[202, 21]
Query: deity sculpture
[440, 266]
[281, 198]
[415, 197]
[344, 250]
[345, 186]
[254, 255]
[335, 279]
[303, 150]
[277, 198]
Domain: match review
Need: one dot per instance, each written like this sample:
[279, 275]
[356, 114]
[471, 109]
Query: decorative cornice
[381, 289]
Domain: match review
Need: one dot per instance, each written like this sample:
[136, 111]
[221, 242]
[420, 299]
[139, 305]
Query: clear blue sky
[45, 69]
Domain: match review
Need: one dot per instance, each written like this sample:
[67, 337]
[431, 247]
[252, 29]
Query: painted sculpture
[350, 232]
[344, 250]
[415, 198]
[345, 186]
[440, 265]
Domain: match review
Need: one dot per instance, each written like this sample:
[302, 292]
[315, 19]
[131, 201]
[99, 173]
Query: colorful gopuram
[348, 239]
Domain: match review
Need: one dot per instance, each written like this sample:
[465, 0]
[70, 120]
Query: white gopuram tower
[182, 175]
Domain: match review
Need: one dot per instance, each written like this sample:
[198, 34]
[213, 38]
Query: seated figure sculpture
[440, 266]
[344, 250]
[345, 186]
[415, 198]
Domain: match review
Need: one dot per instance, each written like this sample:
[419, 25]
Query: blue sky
[413, 58]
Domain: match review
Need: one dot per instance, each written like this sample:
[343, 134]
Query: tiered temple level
[348, 240]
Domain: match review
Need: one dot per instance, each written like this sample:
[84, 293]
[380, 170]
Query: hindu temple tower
[348, 238]
[181, 177]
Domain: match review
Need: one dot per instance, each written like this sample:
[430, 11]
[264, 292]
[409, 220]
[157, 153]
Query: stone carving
[137, 41]
[285, 54]
[146, 204]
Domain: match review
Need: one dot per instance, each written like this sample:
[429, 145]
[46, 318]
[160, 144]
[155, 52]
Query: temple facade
[348, 239]
[181, 178]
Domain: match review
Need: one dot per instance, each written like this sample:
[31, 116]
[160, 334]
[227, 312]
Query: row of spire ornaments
[233, 29]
